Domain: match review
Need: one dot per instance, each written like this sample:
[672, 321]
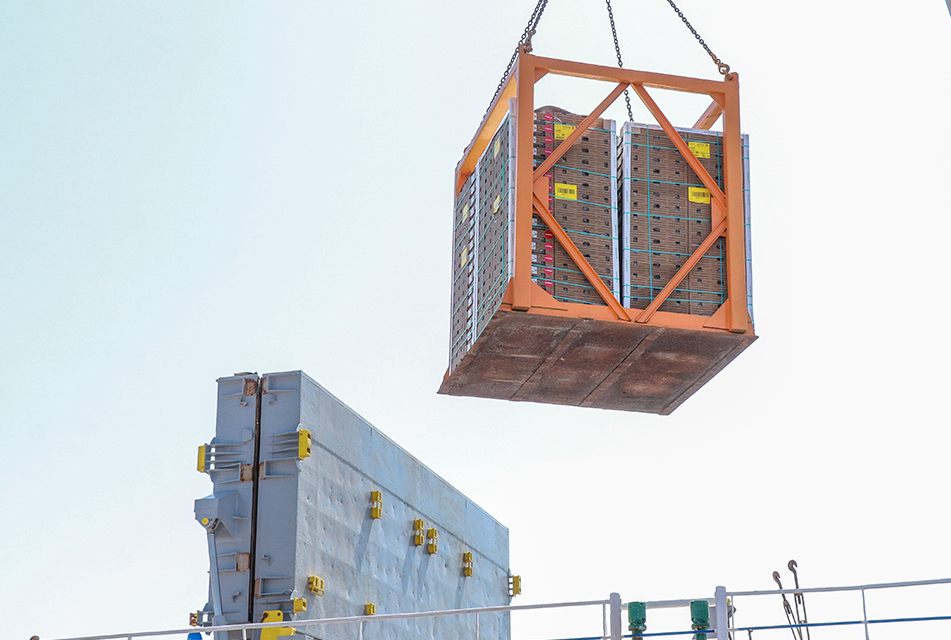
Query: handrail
[657, 604]
[342, 620]
[863, 587]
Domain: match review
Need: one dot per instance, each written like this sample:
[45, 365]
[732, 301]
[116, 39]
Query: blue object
[194, 636]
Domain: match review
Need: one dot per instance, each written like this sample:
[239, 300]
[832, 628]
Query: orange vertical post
[737, 316]
[524, 121]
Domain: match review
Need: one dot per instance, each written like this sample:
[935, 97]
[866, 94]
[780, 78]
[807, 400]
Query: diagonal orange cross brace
[579, 130]
[719, 199]
[694, 258]
[566, 243]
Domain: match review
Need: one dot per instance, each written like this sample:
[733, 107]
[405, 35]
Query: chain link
[525, 40]
[617, 49]
[723, 67]
[532, 26]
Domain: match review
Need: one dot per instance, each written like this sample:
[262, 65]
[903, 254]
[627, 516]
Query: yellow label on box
[701, 196]
[465, 212]
[700, 149]
[465, 257]
[495, 205]
[566, 191]
[498, 147]
[562, 131]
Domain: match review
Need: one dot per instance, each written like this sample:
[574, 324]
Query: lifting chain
[524, 41]
[723, 67]
[617, 49]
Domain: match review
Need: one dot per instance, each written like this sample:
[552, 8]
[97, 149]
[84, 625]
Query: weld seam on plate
[570, 339]
[636, 352]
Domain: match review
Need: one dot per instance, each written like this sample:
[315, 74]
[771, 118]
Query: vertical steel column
[722, 613]
[255, 487]
[615, 605]
[525, 120]
[736, 316]
[215, 583]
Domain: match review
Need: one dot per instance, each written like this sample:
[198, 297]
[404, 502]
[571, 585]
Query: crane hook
[776, 578]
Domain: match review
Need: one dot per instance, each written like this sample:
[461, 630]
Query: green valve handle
[700, 617]
[637, 617]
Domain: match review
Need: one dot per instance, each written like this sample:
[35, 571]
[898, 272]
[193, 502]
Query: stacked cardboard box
[583, 200]
[483, 235]
[630, 203]
[463, 270]
[496, 222]
[666, 215]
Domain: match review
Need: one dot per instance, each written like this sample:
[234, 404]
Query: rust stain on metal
[247, 472]
[593, 363]
[250, 386]
[242, 561]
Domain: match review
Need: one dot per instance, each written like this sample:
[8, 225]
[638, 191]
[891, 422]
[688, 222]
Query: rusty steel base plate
[591, 363]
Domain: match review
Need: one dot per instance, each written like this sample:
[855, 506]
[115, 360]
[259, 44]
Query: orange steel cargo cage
[521, 343]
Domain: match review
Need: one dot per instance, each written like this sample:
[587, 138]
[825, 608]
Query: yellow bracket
[370, 609]
[201, 458]
[275, 632]
[419, 532]
[303, 444]
[515, 585]
[433, 545]
[467, 564]
[300, 605]
[376, 504]
[316, 585]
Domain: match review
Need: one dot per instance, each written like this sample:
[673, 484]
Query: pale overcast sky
[191, 189]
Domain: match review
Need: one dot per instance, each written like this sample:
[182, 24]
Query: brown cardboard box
[583, 193]
[661, 221]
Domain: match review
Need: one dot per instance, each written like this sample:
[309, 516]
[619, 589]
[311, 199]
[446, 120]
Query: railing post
[477, 626]
[722, 613]
[864, 615]
[615, 604]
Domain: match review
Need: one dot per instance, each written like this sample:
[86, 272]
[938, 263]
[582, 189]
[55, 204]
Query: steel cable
[525, 40]
[617, 49]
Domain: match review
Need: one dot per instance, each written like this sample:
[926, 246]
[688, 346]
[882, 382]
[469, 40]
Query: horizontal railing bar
[344, 620]
[881, 585]
[842, 623]
[711, 633]
[671, 604]
[657, 604]
[587, 638]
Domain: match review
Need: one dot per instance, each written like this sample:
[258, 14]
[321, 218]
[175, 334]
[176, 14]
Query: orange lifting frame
[531, 191]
